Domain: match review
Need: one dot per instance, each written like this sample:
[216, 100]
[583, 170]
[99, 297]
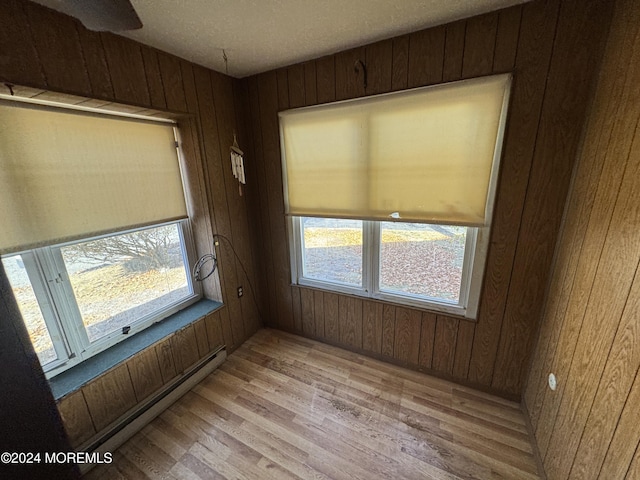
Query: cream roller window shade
[67, 174]
[422, 155]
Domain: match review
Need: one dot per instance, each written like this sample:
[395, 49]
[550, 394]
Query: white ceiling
[260, 35]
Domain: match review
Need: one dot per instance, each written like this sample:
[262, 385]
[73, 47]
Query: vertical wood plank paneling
[165, 358]
[306, 302]
[464, 344]
[379, 62]
[76, 419]
[296, 302]
[318, 309]
[96, 63]
[58, 45]
[258, 169]
[185, 348]
[372, 326]
[214, 330]
[350, 321]
[400, 73]
[144, 370]
[504, 55]
[200, 327]
[154, 79]
[349, 83]
[117, 387]
[406, 346]
[479, 44]
[563, 106]
[15, 36]
[444, 348]
[310, 85]
[296, 90]
[426, 57]
[532, 63]
[268, 91]
[326, 79]
[124, 59]
[388, 329]
[331, 319]
[453, 51]
[172, 82]
[427, 339]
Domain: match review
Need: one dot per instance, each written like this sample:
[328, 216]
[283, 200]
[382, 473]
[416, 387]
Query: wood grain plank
[427, 339]
[454, 46]
[214, 330]
[331, 319]
[144, 370]
[296, 81]
[318, 310]
[349, 83]
[172, 82]
[185, 348]
[117, 387]
[406, 346]
[400, 63]
[24, 68]
[388, 329]
[444, 347]
[379, 63]
[310, 86]
[128, 78]
[306, 302]
[96, 63]
[326, 79]
[464, 344]
[504, 55]
[532, 63]
[56, 39]
[350, 321]
[76, 419]
[154, 78]
[297, 309]
[165, 358]
[283, 88]
[479, 45]
[372, 326]
[426, 57]
[200, 329]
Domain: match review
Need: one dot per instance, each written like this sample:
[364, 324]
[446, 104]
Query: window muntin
[438, 267]
[88, 298]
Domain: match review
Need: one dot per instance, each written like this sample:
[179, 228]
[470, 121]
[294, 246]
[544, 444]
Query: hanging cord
[253, 291]
[226, 62]
[197, 268]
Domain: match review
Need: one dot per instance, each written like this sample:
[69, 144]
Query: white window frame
[476, 247]
[50, 281]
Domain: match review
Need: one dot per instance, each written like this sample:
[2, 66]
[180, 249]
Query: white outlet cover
[553, 384]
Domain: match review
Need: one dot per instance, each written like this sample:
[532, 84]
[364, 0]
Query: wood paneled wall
[85, 411]
[44, 49]
[553, 49]
[590, 332]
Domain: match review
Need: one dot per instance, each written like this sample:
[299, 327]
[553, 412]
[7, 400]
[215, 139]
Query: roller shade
[422, 155]
[68, 174]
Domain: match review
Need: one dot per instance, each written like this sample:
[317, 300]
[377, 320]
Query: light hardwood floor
[282, 407]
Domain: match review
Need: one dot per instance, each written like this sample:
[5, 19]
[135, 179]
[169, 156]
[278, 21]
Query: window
[96, 243]
[391, 196]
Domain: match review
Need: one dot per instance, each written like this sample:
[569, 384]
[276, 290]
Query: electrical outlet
[240, 291]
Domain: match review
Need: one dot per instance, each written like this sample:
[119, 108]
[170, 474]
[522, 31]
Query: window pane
[120, 279]
[332, 250]
[29, 308]
[422, 259]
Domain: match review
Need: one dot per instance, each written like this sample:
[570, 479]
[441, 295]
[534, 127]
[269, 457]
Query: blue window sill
[74, 378]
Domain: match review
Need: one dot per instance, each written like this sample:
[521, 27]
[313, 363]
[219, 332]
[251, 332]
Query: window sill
[77, 376]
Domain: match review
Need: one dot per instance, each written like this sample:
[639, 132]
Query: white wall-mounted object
[237, 163]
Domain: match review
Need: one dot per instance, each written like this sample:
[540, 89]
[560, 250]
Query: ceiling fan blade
[104, 15]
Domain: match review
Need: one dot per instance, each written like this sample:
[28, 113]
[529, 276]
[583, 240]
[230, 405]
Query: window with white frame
[391, 196]
[96, 241]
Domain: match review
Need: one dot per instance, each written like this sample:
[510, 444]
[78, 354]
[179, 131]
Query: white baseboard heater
[118, 432]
